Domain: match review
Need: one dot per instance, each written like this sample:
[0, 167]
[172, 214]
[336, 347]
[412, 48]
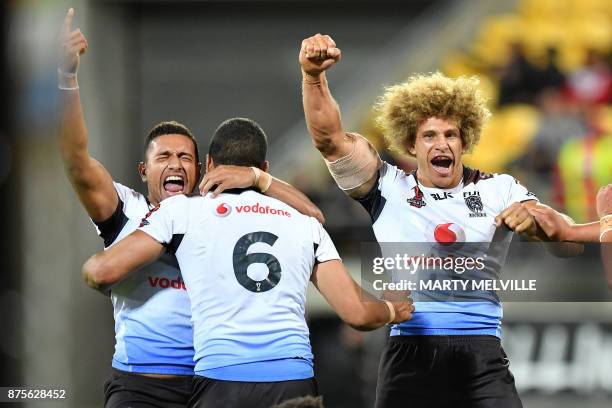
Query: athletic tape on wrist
[391, 311]
[268, 184]
[605, 226]
[356, 168]
[257, 175]
[61, 80]
[71, 75]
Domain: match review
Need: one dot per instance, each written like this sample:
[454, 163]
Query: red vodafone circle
[448, 233]
[223, 210]
[444, 235]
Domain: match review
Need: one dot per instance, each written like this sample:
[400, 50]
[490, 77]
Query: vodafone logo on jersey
[167, 283]
[223, 210]
[445, 233]
[448, 233]
[261, 209]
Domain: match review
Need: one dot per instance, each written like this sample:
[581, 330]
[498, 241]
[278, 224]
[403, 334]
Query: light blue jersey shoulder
[153, 330]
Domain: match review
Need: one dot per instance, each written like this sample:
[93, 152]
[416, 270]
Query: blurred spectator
[550, 77]
[585, 165]
[517, 78]
[592, 84]
[559, 122]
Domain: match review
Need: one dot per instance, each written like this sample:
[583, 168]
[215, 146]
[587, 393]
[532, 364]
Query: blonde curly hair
[404, 107]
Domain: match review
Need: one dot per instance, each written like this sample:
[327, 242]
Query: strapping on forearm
[67, 81]
[356, 168]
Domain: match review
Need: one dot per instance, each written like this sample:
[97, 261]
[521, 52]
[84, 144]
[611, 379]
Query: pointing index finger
[68, 21]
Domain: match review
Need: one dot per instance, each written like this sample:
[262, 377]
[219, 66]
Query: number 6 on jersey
[242, 260]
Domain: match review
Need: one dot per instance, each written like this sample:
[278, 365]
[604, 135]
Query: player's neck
[151, 201]
[424, 181]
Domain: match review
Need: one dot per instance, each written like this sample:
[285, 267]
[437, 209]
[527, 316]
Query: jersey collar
[469, 176]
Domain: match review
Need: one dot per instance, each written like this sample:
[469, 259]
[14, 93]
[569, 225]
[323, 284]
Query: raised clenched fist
[317, 54]
[72, 43]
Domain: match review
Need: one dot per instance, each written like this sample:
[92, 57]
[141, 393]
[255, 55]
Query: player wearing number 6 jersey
[246, 260]
[153, 359]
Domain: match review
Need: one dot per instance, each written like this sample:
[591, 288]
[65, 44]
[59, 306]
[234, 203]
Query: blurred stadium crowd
[546, 69]
[546, 66]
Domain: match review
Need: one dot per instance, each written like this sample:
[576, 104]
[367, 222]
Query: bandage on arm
[358, 167]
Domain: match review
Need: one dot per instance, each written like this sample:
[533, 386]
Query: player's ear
[410, 145]
[266, 166]
[210, 164]
[142, 170]
[412, 150]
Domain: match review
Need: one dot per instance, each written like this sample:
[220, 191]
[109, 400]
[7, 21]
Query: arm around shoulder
[108, 267]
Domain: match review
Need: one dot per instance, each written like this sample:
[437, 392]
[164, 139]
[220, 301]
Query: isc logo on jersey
[224, 209]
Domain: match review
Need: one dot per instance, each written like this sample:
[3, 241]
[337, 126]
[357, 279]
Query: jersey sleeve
[375, 200]
[515, 191]
[324, 248]
[110, 228]
[124, 193]
[167, 222]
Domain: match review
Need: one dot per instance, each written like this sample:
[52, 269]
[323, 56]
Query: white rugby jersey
[402, 210]
[246, 259]
[153, 330]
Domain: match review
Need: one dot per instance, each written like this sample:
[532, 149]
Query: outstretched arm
[604, 210]
[90, 180]
[225, 177]
[108, 267]
[560, 227]
[519, 219]
[354, 305]
[532, 219]
[317, 54]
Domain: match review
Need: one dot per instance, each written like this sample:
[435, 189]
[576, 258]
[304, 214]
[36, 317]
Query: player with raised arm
[449, 354]
[246, 260]
[153, 359]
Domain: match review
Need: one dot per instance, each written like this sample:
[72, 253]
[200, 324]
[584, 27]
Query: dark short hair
[302, 402]
[170, 128]
[240, 142]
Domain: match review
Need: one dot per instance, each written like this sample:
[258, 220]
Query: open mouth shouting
[174, 184]
[442, 165]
